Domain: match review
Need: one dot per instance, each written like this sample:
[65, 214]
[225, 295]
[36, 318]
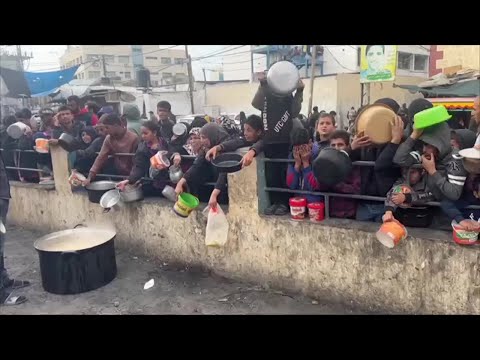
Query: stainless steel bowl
[169, 193]
[132, 194]
[111, 200]
[283, 77]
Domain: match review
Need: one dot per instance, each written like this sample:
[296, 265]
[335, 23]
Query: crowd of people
[106, 141]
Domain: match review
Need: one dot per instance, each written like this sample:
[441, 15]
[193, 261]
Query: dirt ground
[176, 290]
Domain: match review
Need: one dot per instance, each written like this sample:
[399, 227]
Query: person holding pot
[278, 112]
[202, 170]
[151, 144]
[7, 285]
[118, 140]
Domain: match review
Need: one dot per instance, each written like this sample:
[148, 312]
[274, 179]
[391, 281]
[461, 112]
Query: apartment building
[117, 62]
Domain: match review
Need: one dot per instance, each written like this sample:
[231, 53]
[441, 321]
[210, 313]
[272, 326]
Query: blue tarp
[47, 82]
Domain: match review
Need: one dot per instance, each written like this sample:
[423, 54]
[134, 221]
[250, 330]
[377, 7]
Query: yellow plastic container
[185, 204]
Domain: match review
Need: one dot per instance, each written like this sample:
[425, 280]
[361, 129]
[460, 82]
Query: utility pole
[312, 78]
[20, 58]
[190, 78]
[104, 66]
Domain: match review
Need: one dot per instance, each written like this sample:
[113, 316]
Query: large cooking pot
[68, 142]
[332, 166]
[77, 260]
[97, 188]
[283, 77]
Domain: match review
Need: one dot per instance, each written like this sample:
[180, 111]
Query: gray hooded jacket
[448, 181]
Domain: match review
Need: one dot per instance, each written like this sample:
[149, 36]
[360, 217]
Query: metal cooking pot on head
[77, 260]
[283, 77]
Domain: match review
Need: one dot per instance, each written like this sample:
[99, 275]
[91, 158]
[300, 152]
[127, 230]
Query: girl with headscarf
[202, 171]
[82, 162]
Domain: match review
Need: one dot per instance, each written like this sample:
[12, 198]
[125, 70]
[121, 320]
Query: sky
[45, 58]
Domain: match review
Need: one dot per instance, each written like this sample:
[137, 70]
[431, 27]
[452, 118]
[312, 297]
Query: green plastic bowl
[432, 116]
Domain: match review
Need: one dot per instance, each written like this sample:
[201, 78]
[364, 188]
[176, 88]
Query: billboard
[378, 63]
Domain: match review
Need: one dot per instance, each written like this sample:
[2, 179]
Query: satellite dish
[127, 97]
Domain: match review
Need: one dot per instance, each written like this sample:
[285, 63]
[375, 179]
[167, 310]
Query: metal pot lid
[470, 153]
[74, 239]
[110, 199]
[376, 122]
[101, 185]
[283, 77]
[179, 129]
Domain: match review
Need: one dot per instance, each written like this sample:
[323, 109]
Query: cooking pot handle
[106, 210]
[79, 225]
[70, 252]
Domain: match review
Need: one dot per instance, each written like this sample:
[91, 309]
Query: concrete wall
[322, 260]
[466, 55]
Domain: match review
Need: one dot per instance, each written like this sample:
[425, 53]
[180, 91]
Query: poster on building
[378, 63]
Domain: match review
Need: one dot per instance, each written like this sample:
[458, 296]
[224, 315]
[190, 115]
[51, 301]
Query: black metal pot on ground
[97, 188]
[76, 261]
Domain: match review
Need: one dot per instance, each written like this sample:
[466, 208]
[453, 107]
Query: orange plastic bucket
[391, 233]
[41, 145]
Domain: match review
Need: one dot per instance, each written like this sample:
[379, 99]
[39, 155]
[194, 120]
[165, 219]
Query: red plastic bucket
[298, 207]
[316, 211]
[464, 237]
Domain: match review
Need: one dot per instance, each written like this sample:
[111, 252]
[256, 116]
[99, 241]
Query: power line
[224, 48]
[338, 62]
[219, 53]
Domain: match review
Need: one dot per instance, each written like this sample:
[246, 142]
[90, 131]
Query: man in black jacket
[7, 285]
[278, 114]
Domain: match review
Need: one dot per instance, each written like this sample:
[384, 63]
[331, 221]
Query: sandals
[276, 209]
[17, 284]
[7, 299]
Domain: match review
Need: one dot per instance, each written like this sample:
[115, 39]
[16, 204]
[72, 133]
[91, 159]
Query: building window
[154, 73]
[151, 58]
[111, 74]
[166, 60]
[124, 59]
[93, 74]
[404, 61]
[81, 59]
[420, 62]
[154, 83]
[178, 61]
[128, 75]
[166, 75]
[109, 58]
[359, 55]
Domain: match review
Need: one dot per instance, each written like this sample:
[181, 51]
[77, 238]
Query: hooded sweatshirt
[448, 181]
[132, 114]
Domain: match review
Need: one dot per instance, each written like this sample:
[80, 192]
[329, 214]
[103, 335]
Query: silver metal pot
[169, 193]
[283, 77]
[111, 200]
[175, 174]
[132, 194]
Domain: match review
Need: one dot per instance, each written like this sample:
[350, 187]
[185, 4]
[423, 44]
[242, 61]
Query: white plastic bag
[217, 228]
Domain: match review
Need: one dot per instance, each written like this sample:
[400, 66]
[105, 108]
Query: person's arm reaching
[100, 160]
[406, 156]
[259, 98]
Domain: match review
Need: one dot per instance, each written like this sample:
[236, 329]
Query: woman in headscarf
[84, 163]
[202, 171]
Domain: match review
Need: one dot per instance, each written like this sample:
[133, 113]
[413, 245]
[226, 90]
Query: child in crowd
[379, 180]
[150, 145]
[457, 210]
[83, 163]
[118, 140]
[86, 157]
[202, 170]
[325, 126]
[445, 174]
[252, 135]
